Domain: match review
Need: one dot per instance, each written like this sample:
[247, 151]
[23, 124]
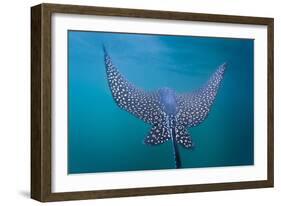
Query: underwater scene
[150, 102]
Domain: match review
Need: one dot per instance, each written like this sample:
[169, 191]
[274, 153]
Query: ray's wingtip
[104, 49]
[224, 65]
[222, 68]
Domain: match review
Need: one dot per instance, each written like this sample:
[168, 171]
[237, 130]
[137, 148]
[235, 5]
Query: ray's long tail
[175, 148]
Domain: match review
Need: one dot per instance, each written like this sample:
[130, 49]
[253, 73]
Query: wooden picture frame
[41, 98]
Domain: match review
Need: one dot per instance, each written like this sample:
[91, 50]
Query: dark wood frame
[41, 101]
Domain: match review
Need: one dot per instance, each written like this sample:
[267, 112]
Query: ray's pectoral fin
[142, 104]
[157, 135]
[195, 106]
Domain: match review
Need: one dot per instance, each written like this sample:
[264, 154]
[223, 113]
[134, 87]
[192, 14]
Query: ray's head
[168, 100]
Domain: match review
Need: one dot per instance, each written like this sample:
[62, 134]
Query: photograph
[140, 102]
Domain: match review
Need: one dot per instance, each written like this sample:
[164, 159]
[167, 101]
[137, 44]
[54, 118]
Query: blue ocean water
[104, 138]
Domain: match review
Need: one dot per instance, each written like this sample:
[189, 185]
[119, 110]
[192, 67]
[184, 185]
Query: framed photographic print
[130, 102]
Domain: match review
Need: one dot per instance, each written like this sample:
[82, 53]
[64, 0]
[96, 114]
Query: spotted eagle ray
[169, 113]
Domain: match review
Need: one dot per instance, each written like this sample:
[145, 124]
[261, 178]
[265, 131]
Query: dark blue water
[104, 138]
